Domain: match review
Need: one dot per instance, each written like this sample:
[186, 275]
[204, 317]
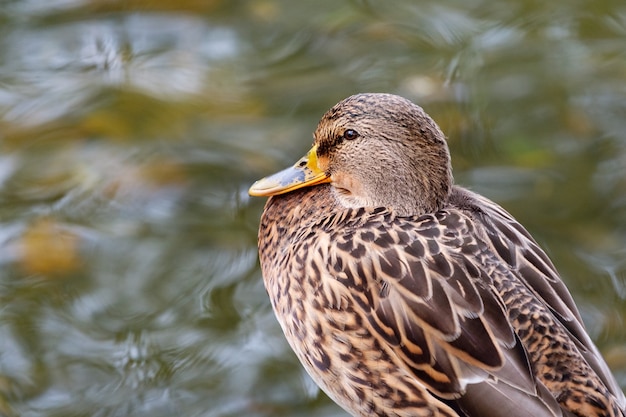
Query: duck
[403, 294]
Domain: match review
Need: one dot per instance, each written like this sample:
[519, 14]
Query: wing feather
[539, 274]
[430, 300]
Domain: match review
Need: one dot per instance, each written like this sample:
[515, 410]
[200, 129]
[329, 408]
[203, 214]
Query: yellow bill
[304, 173]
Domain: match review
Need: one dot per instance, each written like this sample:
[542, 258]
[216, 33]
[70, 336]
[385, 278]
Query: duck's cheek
[348, 200]
[345, 184]
[349, 190]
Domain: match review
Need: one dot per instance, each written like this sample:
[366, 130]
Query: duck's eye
[350, 134]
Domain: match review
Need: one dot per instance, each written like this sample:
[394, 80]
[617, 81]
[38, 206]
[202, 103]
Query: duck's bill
[304, 173]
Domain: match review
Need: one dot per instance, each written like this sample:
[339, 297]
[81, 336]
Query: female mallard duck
[405, 295]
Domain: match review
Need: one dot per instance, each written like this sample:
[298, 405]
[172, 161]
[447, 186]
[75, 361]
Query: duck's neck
[300, 206]
[408, 192]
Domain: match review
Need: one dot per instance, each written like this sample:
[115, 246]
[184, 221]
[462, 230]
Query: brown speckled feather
[454, 311]
[429, 297]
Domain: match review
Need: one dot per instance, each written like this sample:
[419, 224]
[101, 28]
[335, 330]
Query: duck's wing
[516, 247]
[425, 288]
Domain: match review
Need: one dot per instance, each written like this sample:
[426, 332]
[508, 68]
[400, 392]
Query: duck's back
[543, 313]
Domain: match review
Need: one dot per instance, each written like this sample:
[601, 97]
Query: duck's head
[376, 150]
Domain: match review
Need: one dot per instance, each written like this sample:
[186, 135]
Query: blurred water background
[131, 130]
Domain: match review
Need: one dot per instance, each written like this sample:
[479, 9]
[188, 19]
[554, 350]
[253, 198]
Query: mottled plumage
[404, 295]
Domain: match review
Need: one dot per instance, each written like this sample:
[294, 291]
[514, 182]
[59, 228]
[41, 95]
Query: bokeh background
[131, 130]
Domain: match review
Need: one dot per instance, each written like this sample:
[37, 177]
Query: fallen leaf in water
[49, 249]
